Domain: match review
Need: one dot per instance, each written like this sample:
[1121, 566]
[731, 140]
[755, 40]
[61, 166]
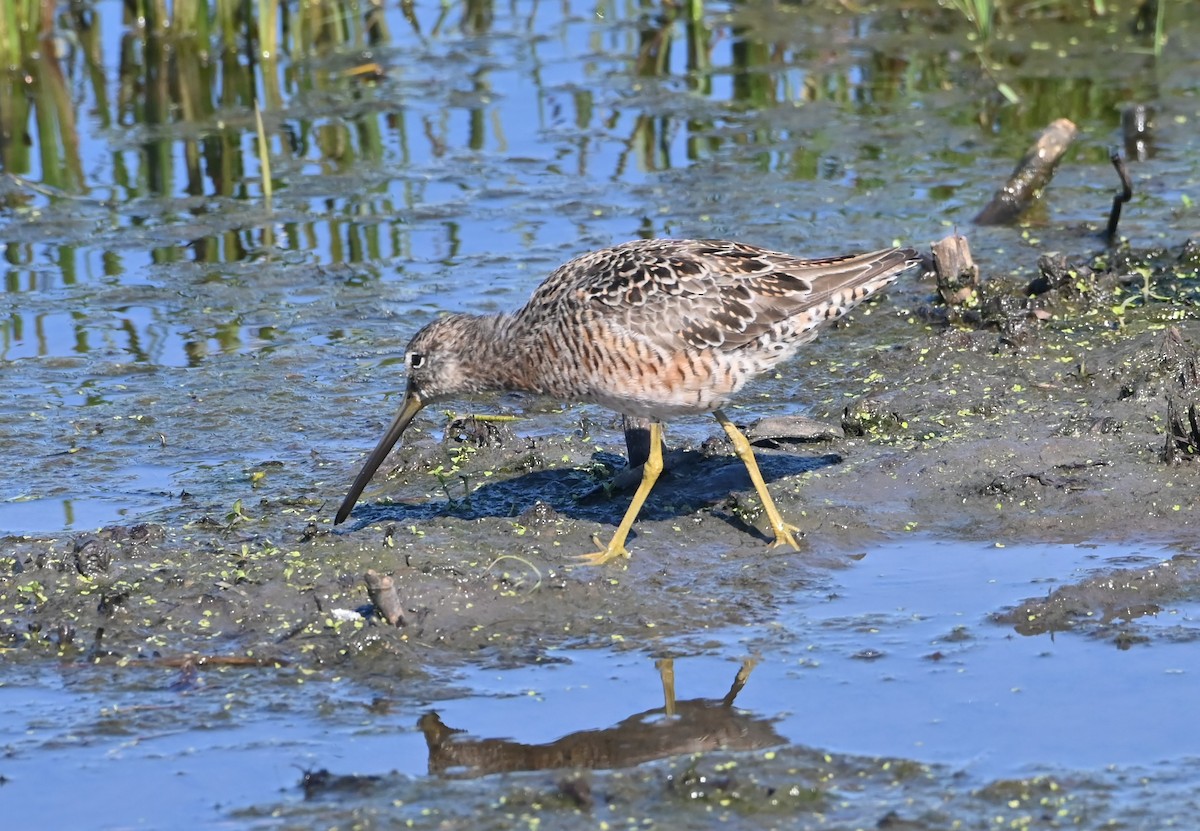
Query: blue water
[995, 705]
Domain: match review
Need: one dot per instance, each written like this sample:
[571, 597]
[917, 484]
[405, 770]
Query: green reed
[981, 13]
[181, 60]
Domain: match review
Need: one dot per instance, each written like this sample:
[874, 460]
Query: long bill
[411, 406]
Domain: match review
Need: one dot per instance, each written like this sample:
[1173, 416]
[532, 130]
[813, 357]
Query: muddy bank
[1042, 418]
[787, 788]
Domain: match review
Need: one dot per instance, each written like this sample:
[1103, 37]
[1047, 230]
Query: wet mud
[208, 364]
[1045, 419]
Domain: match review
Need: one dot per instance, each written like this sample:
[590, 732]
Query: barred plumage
[650, 328]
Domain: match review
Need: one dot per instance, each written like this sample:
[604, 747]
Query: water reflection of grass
[212, 62]
[174, 100]
[983, 14]
[34, 88]
[209, 62]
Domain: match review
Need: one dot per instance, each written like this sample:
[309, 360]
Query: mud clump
[1104, 601]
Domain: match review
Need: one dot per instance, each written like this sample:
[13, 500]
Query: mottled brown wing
[709, 293]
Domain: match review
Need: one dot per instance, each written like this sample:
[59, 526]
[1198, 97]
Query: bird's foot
[783, 534]
[606, 554]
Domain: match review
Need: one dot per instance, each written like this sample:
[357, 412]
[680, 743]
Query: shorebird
[652, 329]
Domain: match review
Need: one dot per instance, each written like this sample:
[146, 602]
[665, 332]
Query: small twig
[381, 589]
[1114, 216]
[522, 560]
[194, 660]
[221, 661]
[495, 418]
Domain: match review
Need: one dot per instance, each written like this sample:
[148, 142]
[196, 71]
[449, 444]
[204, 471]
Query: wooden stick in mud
[381, 589]
[956, 272]
[1030, 176]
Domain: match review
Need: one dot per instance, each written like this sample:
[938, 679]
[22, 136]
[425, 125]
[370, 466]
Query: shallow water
[845, 668]
[175, 352]
[850, 667]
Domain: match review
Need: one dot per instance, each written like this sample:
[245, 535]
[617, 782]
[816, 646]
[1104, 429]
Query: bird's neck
[497, 339]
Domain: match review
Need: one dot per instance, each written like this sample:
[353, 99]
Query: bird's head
[442, 361]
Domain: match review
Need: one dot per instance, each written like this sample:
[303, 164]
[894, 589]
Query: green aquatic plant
[981, 13]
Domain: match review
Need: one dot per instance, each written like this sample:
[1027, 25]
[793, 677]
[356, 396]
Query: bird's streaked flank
[650, 328]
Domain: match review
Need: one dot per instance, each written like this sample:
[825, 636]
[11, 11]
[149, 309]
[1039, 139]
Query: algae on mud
[998, 433]
[179, 357]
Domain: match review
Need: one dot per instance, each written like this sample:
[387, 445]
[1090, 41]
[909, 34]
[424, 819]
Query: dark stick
[1121, 198]
[1031, 175]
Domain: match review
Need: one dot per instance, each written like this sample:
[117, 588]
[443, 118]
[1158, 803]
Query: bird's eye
[416, 360]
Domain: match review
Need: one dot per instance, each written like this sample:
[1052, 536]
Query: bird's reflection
[678, 727]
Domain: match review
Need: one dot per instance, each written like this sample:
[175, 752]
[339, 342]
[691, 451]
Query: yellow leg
[783, 531]
[666, 672]
[739, 681]
[650, 471]
[743, 675]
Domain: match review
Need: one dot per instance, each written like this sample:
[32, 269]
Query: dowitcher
[652, 329]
